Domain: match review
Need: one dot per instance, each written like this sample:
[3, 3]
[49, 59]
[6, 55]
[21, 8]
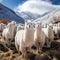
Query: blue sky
[56, 2]
[13, 3]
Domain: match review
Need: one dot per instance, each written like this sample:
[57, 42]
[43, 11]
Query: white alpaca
[7, 33]
[24, 38]
[49, 35]
[13, 29]
[2, 26]
[19, 27]
[39, 38]
[56, 29]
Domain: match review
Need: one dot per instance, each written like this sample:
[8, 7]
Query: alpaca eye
[29, 26]
[27, 23]
[31, 23]
[34, 26]
[38, 25]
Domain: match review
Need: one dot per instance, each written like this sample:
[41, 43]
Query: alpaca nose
[34, 26]
[38, 25]
[29, 26]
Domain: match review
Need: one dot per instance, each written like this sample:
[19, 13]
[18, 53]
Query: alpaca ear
[40, 23]
[25, 21]
[31, 19]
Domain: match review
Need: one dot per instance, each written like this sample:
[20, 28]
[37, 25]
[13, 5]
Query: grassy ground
[10, 53]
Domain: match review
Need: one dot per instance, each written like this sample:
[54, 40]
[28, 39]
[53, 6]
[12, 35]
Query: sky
[14, 3]
[33, 6]
[11, 3]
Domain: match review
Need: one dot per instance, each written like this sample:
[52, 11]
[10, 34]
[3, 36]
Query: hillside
[9, 14]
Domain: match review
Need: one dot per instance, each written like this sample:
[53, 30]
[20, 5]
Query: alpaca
[7, 33]
[49, 35]
[39, 38]
[24, 38]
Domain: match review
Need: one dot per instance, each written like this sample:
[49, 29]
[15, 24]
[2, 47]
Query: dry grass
[10, 53]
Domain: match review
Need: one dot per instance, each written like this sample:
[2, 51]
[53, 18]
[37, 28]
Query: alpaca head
[51, 27]
[29, 24]
[13, 22]
[58, 24]
[9, 26]
[45, 25]
[38, 25]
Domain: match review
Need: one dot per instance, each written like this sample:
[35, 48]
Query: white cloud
[35, 6]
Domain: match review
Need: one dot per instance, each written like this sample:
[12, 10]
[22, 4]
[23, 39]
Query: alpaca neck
[38, 30]
[9, 29]
[29, 32]
[49, 31]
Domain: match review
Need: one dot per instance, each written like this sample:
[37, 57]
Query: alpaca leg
[48, 43]
[1, 34]
[25, 56]
[17, 47]
[38, 45]
[5, 43]
[57, 36]
[39, 50]
[19, 52]
[28, 49]
[4, 40]
[25, 52]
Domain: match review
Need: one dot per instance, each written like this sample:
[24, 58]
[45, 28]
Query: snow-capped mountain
[28, 15]
[36, 17]
[6, 13]
[54, 11]
[56, 14]
[47, 17]
[34, 9]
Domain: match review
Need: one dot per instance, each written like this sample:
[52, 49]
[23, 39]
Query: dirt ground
[10, 53]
